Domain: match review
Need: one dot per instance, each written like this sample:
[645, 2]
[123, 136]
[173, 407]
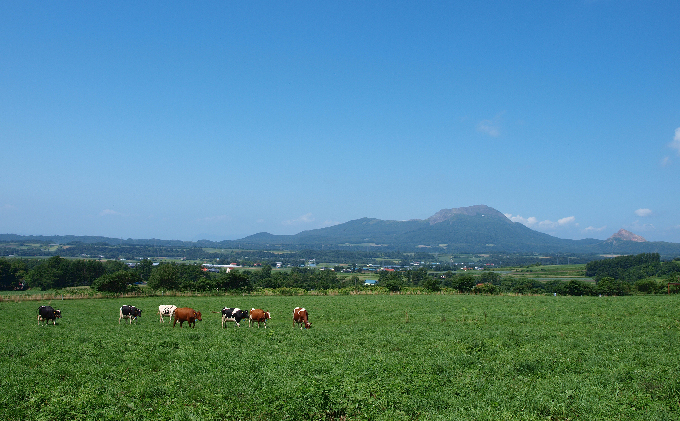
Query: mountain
[460, 230]
[473, 229]
[624, 235]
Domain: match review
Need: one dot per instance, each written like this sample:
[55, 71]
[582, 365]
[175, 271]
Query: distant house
[371, 282]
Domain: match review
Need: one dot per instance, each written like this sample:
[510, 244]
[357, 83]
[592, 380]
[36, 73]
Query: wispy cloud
[643, 212]
[109, 212]
[675, 144]
[665, 161]
[491, 127]
[304, 219]
[594, 229]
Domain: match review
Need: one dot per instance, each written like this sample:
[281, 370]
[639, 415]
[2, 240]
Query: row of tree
[116, 277]
[631, 269]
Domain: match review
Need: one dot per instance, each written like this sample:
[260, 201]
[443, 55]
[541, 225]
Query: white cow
[166, 310]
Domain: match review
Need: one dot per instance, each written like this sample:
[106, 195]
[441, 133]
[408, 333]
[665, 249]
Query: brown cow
[186, 314]
[258, 316]
[300, 317]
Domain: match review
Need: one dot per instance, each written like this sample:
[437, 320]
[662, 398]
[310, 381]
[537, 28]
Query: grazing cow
[301, 317]
[233, 315]
[186, 314]
[166, 310]
[129, 312]
[47, 313]
[258, 316]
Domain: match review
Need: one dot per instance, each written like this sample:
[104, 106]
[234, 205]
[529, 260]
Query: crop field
[366, 357]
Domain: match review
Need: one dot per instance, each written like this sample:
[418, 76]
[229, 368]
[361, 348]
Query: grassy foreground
[373, 357]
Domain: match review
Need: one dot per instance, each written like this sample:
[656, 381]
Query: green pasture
[366, 357]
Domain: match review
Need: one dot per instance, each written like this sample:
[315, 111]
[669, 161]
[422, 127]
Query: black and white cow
[166, 310]
[129, 312]
[233, 315]
[47, 313]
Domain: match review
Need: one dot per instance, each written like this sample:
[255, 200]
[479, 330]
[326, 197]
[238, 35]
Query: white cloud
[675, 144]
[665, 161]
[643, 212]
[304, 219]
[594, 229]
[566, 221]
[547, 224]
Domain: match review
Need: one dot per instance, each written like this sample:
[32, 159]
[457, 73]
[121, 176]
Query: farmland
[378, 357]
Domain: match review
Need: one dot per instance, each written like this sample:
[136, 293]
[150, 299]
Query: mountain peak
[482, 210]
[622, 234]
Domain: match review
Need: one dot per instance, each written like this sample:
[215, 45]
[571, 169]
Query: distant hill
[625, 235]
[473, 229]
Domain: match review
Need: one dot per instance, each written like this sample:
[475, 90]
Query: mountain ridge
[472, 229]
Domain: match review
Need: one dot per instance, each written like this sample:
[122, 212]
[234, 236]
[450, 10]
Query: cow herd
[189, 315]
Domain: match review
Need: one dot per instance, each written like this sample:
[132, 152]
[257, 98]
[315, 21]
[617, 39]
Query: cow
[233, 315]
[301, 317]
[166, 310]
[186, 314]
[258, 316]
[47, 313]
[129, 312]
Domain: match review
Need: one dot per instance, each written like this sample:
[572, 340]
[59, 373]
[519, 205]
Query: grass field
[372, 357]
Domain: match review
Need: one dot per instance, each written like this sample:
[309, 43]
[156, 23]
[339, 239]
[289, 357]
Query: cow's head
[197, 315]
[267, 315]
[308, 325]
[57, 313]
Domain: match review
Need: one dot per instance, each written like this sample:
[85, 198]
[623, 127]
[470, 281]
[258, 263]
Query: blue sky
[217, 120]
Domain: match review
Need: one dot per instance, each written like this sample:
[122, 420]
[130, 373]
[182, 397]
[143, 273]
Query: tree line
[116, 277]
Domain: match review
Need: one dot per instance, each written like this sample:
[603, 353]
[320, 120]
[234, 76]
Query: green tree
[189, 277]
[648, 286]
[164, 276]
[49, 274]
[113, 266]
[117, 283]
[12, 273]
[490, 277]
[234, 281]
[431, 284]
[463, 283]
[577, 288]
[417, 276]
[610, 286]
[144, 269]
[393, 281]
